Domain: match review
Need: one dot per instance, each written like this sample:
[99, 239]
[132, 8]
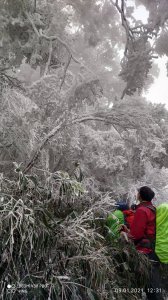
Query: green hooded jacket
[114, 220]
[161, 246]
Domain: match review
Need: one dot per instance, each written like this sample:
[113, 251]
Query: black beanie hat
[146, 193]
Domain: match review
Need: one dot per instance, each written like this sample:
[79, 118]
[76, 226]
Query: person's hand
[123, 236]
[123, 228]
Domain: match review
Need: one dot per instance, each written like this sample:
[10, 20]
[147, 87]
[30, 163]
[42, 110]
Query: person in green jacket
[114, 222]
[161, 245]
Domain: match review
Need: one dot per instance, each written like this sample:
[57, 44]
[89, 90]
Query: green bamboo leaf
[126, 267]
[17, 167]
[33, 179]
[92, 295]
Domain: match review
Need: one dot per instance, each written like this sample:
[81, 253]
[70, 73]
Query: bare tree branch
[6, 146]
[128, 30]
[124, 92]
[31, 22]
[57, 38]
[49, 59]
[65, 70]
[62, 123]
[35, 5]
[136, 49]
[13, 81]
[38, 150]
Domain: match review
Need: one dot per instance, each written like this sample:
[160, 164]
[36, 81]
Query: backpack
[128, 213]
[161, 240]
[161, 244]
[128, 217]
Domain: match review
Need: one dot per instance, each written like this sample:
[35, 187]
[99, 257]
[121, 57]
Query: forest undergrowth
[54, 242]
